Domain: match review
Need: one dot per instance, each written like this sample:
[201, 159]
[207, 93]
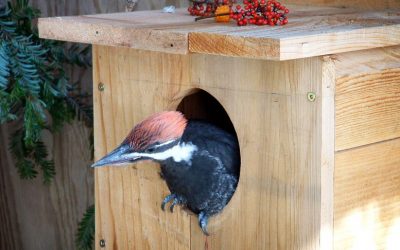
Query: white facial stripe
[179, 152]
[163, 144]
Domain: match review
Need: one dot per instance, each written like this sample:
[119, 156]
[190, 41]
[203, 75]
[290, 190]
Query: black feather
[208, 182]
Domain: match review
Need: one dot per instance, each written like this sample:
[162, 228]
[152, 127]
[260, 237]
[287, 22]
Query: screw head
[311, 96]
[101, 86]
[102, 243]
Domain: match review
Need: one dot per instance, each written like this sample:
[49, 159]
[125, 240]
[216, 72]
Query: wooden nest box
[315, 105]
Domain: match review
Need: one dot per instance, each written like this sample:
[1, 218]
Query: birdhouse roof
[311, 31]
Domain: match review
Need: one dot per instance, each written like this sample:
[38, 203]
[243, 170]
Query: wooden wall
[367, 145]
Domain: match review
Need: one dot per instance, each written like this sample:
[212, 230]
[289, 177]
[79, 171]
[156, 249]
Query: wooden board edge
[97, 234]
[327, 152]
[236, 46]
[71, 30]
[365, 38]
[372, 61]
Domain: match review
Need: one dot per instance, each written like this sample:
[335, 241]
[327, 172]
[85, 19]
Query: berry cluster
[260, 12]
[207, 8]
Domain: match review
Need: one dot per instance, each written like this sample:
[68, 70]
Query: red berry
[238, 7]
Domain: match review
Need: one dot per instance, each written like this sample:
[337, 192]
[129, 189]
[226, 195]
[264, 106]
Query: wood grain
[359, 4]
[69, 8]
[10, 238]
[311, 32]
[277, 204]
[367, 61]
[46, 217]
[367, 197]
[367, 108]
[128, 213]
[327, 136]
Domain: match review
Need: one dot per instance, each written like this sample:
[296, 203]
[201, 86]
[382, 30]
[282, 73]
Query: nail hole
[102, 243]
[101, 86]
[172, 45]
[311, 96]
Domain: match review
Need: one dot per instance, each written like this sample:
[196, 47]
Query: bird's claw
[175, 200]
[171, 208]
[167, 199]
[203, 221]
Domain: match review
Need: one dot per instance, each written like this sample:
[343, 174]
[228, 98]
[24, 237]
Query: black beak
[118, 156]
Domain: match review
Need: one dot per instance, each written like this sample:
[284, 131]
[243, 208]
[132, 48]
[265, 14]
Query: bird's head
[151, 139]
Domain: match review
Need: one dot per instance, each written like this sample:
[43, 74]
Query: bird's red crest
[162, 127]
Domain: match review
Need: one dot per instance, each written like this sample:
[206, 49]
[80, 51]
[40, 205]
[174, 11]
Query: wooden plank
[277, 204]
[47, 216]
[327, 152]
[10, 238]
[367, 108]
[278, 201]
[367, 62]
[367, 197]
[311, 32]
[128, 213]
[359, 4]
[114, 33]
[69, 8]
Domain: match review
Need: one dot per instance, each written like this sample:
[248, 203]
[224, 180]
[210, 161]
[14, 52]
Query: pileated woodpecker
[199, 161]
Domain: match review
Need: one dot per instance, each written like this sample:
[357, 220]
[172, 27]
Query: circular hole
[201, 105]
[172, 45]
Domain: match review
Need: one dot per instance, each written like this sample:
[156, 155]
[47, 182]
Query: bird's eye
[150, 150]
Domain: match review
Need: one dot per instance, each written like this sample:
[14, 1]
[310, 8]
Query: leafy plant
[85, 234]
[35, 91]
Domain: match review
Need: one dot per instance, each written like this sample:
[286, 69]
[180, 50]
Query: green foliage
[34, 89]
[84, 237]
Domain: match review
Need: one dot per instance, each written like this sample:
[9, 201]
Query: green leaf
[85, 234]
[25, 166]
[48, 170]
[4, 65]
[33, 122]
[34, 87]
[26, 169]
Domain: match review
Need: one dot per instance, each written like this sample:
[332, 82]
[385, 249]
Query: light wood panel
[278, 202]
[367, 107]
[366, 62]
[367, 197]
[311, 31]
[128, 213]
